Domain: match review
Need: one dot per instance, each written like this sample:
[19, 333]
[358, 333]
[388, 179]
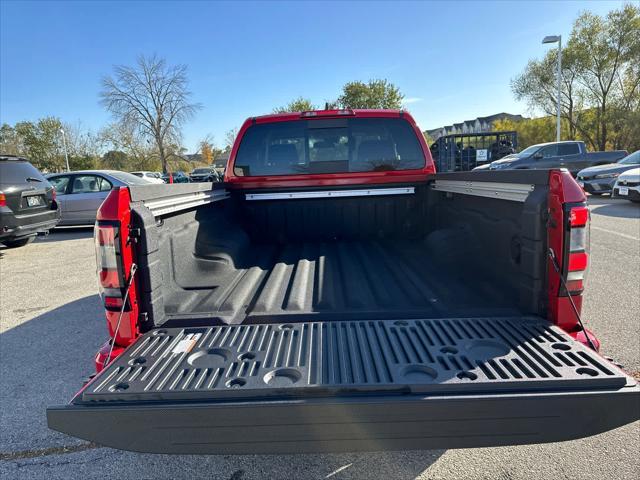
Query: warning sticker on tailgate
[186, 344]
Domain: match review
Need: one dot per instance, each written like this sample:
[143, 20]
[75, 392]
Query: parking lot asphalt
[51, 324]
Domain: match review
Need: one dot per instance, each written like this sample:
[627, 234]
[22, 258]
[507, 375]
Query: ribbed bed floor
[342, 280]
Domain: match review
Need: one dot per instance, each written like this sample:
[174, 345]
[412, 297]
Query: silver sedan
[80, 194]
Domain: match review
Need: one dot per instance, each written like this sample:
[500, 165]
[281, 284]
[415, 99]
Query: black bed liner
[339, 280]
[432, 356]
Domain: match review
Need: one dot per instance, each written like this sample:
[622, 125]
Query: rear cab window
[332, 145]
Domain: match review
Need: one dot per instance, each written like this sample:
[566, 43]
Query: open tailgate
[349, 386]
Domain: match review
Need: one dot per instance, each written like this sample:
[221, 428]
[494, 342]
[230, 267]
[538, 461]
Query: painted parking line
[623, 235]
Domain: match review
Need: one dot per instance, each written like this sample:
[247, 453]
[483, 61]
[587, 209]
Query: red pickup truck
[335, 293]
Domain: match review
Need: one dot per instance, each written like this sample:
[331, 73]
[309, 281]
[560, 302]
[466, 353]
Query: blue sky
[453, 61]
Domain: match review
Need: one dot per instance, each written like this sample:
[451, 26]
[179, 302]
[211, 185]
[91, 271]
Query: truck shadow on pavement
[62, 234]
[44, 361]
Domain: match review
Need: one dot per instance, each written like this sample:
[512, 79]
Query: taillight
[567, 233]
[578, 251]
[3, 200]
[578, 216]
[116, 267]
[110, 282]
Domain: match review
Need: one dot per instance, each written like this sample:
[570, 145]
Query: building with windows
[478, 125]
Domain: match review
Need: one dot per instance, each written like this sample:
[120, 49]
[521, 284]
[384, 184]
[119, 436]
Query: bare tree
[230, 138]
[152, 95]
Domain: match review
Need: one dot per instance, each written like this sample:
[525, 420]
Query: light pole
[554, 39]
[64, 143]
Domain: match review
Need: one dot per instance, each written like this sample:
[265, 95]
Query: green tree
[115, 160]
[83, 162]
[9, 140]
[608, 52]
[154, 97]
[600, 94]
[41, 143]
[530, 131]
[300, 104]
[374, 94]
[537, 85]
[428, 139]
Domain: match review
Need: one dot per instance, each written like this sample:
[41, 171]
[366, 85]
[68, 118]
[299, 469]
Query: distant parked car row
[205, 174]
[571, 155]
[601, 179]
[151, 177]
[32, 203]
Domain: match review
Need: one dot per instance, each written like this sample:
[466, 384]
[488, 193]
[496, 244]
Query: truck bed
[335, 320]
[338, 280]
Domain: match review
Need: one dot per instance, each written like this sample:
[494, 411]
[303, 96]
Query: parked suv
[27, 202]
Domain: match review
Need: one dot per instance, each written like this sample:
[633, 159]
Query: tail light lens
[110, 281]
[578, 251]
[3, 200]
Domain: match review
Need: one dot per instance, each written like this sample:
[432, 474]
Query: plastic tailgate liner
[350, 386]
[465, 356]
